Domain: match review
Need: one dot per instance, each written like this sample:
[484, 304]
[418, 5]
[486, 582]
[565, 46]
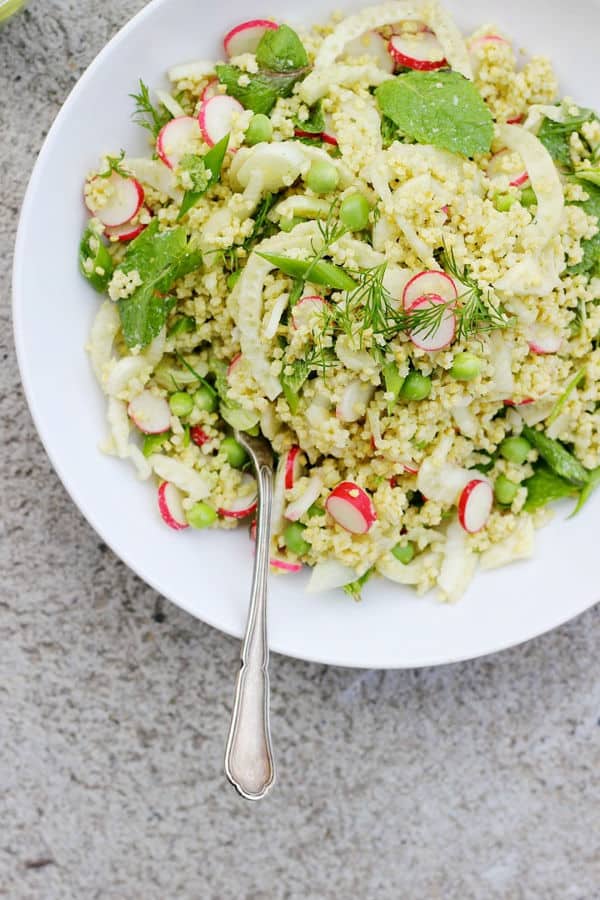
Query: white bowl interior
[209, 574]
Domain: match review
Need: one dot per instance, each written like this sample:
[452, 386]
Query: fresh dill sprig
[147, 115]
[113, 164]
[476, 310]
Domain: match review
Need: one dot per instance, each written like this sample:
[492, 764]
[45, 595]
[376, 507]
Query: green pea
[322, 177]
[205, 399]
[259, 130]
[505, 490]
[181, 403]
[236, 455]
[416, 386]
[528, 197]
[503, 202]
[465, 367]
[404, 552]
[515, 449]
[153, 442]
[294, 540]
[354, 212]
[201, 515]
[232, 279]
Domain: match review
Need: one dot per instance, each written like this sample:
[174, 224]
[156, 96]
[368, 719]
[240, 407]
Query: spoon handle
[248, 755]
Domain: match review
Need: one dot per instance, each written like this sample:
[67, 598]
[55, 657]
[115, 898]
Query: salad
[376, 243]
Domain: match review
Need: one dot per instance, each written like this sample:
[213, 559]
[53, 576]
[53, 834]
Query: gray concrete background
[477, 780]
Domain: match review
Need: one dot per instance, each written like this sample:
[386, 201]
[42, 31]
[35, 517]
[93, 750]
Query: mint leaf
[590, 246]
[439, 108]
[263, 89]
[544, 487]
[161, 259]
[204, 172]
[315, 124]
[292, 383]
[281, 50]
[555, 136]
[389, 132]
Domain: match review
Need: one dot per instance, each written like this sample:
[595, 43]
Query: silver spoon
[248, 756]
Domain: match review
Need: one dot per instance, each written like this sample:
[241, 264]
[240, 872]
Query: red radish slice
[475, 505]
[517, 176]
[354, 401]
[429, 282]
[306, 311]
[327, 136]
[525, 402]
[284, 565]
[293, 467]
[446, 210]
[242, 506]
[480, 42]
[245, 38]
[443, 335]
[171, 507]
[424, 53]
[410, 468]
[296, 509]
[216, 117]
[126, 198]
[515, 120]
[234, 362]
[351, 507]
[211, 90]
[543, 338]
[199, 436]
[151, 414]
[126, 232]
[176, 138]
[371, 44]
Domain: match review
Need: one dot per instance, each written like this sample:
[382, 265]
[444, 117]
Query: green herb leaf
[150, 117]
[315, 124]
[94, 256]
[230, 411]
[555, 136]
[557, 457]
[393, 382]
[263, 88]
[573, 383]
[544, 487]
[588, 490]
[113, 164]
[292, 383]
[440, 108]
[204, 171]
[161, 259]
[389, 132]
[590, 246]
[182, 325]
[281, 50]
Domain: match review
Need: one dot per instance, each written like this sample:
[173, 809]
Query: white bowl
[208, 574]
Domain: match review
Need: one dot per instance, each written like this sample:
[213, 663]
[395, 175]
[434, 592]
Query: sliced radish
[410, 467]
[126, 232]
[479, 42]
[233, 364]
[176, 138]
[216, 117]
[244, 505]
[424, 53]
[124, 202]
[496, 170]
[429, 282]
[446, 210]
[525, 402]
[293, 467]
[543, 339]
[171, 507]
[327, 136]
[151, 414]
[284, 564]
[311, 493]
[371, 44]
[475, 505]
[245, 38]
[199, 436]
[351, 507]
[515, 120]
[307, 310]
[354, 401]
[211, 90]
[442, 336]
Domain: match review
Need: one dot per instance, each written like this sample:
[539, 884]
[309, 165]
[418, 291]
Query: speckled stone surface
[478, 780]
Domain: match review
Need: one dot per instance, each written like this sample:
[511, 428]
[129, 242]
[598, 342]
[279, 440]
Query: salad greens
[282, 61]
[556, 136]
[315, 124]
[439, 108]
[150, 117]
[95, 262]
[544, 487]
[160, 258]
[204, 171]
[590, 263]
[557, 457]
